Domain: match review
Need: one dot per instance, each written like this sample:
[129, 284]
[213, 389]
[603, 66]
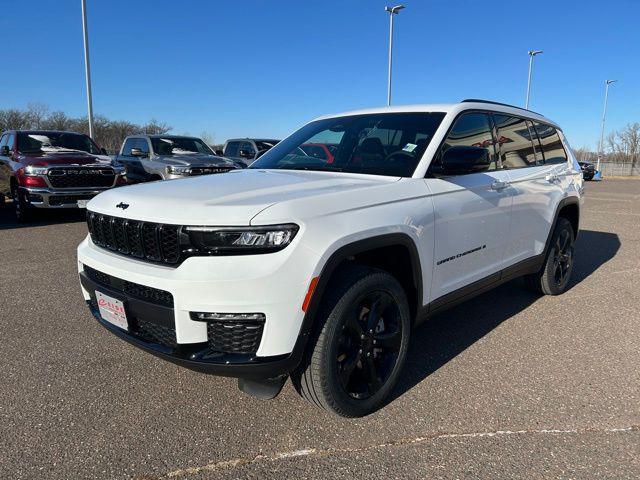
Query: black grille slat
[154, 242]
[71, 178]
[170, 243]
[234, 337]
[142, 292]
[150, 242]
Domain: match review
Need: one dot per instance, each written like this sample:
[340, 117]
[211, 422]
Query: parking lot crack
[323, 452]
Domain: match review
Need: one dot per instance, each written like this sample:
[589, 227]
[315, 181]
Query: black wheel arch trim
[337, 258]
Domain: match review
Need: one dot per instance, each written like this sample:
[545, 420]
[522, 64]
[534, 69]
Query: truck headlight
[241, 240]
[175, 170]
[31, 170]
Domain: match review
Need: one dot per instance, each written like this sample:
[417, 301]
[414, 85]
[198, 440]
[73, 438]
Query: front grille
[234, 337]
[154, 333]
[154, 242]
[209, 170]
[68, 199]
[142, 292]
[147, 331]
[81, 177]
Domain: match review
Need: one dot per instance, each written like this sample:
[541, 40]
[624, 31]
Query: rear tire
[555, 275]
[360, 344]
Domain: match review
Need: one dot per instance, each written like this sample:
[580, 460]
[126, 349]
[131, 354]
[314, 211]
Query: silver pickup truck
[165, 157]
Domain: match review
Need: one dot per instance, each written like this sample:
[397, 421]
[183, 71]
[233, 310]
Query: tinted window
[231, 150]
[128, 145]
[3, 140]
[515, 141]
[376, 144]
[142, 144]
[43, 141]
[469, 130]
[551, 144]
[11, 141]
[247, 149]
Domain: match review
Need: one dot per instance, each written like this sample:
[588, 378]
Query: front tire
[357, 353]
[554, 277]
[23, 211]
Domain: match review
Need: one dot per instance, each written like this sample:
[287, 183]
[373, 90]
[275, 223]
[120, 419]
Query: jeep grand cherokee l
[319, 271]
[42, 169]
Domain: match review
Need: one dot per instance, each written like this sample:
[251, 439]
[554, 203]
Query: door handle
[499, 185]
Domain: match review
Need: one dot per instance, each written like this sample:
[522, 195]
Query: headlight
[241, 240]
[174, 170]
[31, 170]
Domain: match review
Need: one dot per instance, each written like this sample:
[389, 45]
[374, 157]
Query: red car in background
[43, 169]
[320, 151]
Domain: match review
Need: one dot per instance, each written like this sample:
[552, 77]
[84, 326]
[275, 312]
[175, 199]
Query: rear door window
[515, 142]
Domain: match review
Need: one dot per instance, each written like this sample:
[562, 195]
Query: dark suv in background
[42, 169]
[246, 150]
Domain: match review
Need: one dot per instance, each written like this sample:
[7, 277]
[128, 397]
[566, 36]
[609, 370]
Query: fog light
[227, 317]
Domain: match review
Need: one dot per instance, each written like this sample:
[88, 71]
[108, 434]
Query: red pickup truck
[48, 169]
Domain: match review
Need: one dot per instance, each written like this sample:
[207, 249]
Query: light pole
[392, 11]
[604, 116]
[532, 53]
[87, 68]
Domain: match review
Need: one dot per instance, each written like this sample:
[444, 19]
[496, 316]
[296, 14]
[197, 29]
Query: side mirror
[218, 152]
[136, 152]
[245, 153]
[4, 151]
[103, 151]
[458, 160]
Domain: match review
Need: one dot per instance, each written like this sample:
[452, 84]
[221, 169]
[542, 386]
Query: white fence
[609, 169]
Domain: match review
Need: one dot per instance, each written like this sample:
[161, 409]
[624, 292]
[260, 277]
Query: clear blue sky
[261, 68]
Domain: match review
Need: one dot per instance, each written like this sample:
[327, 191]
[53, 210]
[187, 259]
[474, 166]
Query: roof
[43, 132]
[453, 108]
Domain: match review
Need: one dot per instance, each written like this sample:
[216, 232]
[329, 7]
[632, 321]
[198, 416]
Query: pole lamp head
[533, 53]
[394, 10]
[609, 82]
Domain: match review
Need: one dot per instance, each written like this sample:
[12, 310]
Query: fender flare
[331, 266]
[571, 200]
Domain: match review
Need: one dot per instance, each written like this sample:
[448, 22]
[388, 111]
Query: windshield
[39, 142]
[389, 144]
[179, 146]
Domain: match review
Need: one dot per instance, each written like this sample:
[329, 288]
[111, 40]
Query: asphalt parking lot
[506, 385]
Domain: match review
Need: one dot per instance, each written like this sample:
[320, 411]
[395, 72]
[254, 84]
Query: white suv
[319, 269]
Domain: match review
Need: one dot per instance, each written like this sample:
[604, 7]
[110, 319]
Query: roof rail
[476, 100]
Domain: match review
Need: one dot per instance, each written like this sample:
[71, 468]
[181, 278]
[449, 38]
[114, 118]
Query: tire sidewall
[378, 281]
[549, 285]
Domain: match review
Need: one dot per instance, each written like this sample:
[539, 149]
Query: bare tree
[107, 133]
[624, 145]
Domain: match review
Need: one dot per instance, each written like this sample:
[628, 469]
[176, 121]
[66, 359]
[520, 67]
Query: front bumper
[50, 198]
[273, 284]
[193, 356]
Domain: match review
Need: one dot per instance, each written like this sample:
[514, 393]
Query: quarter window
[515, 141]
[551, 144]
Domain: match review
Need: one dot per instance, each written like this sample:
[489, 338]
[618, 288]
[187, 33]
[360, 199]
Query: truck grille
[154, 242]
[81, 177]
[234, 337]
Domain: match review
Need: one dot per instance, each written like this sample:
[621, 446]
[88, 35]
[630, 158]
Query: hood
[231, 199]
[195, 160]
[50, 159]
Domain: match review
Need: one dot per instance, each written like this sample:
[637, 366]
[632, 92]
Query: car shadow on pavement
[443, 337]
[50, 217]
